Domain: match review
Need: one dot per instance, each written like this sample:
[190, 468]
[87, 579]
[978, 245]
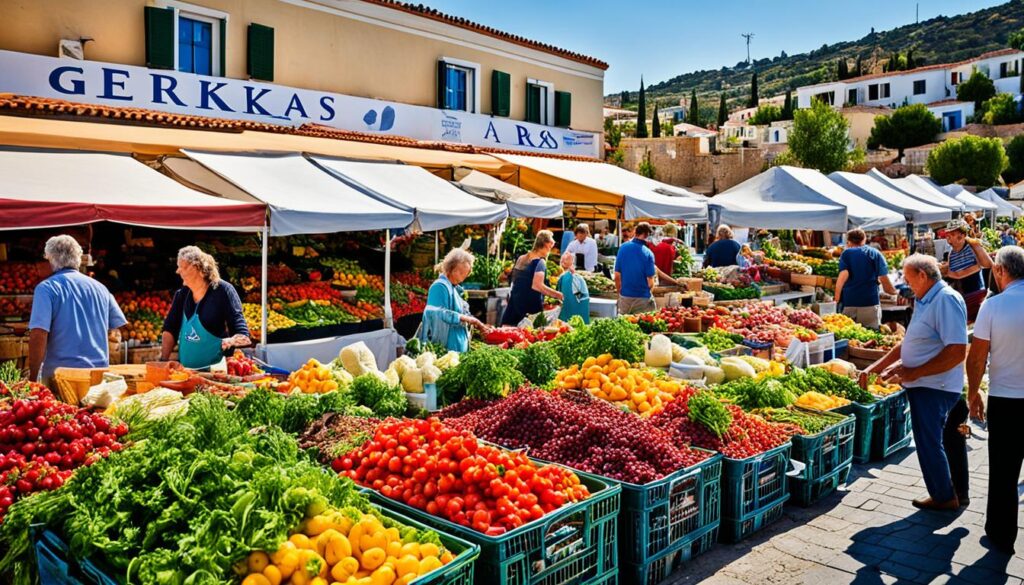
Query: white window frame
[887, 93]
[548, 113]
[202, 14]
[472, 101]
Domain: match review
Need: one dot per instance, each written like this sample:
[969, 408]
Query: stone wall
[679, 161]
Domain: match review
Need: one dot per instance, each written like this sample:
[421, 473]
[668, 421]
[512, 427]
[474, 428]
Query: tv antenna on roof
[747, 36]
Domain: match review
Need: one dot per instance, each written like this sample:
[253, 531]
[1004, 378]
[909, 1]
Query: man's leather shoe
[930, 504]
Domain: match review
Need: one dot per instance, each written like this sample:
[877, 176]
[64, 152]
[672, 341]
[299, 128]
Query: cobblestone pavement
[871, 534]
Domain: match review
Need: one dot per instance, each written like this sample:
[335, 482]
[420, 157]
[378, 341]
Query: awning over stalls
[520, 202]
[303, 199]
[1003, 207]
[781, 198]
[157, 141]
[879, 193]
[52, 188]
[970, 201]
[436, 203]
[919, 189]
[601, 183]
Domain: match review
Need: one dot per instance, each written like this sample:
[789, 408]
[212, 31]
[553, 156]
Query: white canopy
[1017, 191]
[303, 199]
[520, 202]
[879, 193]
[1003, 207]
[436, 203]
[643, 198]
[783, 198]
[920, 189]
[51, 188]
[970, 201]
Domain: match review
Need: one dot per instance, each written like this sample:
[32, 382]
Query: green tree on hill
[907, 127]
[842, 70]
[655, 123]
[787, 106]
[970, 160]
[978, 89]
[819, 138]
[693, 114]
[754, 99]
[723, 111]
[641, 112]
[1015, 153]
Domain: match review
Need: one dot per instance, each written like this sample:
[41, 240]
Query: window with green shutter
[261, 52]
[563, 109]
[534, 103]
[160, 45]
[501, 93]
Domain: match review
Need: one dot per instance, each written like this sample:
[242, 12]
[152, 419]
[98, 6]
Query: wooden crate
[141, 355]
[803, 279]
[13, 347]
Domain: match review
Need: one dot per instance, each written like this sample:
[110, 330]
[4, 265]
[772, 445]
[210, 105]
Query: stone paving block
[828, 575]
[923, 564]
[899, 571]
[829, 523]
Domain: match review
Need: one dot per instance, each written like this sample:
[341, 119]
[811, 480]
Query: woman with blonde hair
[446, 319]
[205, 318]
[528, 284]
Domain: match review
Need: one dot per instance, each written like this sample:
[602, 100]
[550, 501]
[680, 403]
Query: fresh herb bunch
[538, 363]
[811, 422]
[384, 400]
[825, 382]
[9, 372]
[682, 266]
[293, 412]
[619, 337]
[707, 410]
[486, 372]
[487, 271]
[749, 394]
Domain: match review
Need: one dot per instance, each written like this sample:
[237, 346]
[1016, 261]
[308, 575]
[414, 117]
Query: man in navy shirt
[861, 269]
[634, 273]
[723, 251]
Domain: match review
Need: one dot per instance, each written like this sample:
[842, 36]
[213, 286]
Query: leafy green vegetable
[710, 412]
[749, 394]
[384, 400]
[811, 422]
[619, 337]
[9, 372]
[824, 381]
[486, 371]
[538, 363]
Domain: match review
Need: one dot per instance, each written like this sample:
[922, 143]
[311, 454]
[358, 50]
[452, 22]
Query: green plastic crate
[752, 484]
[570, 545]
[894, 429]
[660, 567]
[825, 452]
[868, 417]
[804, 492]
[738, 529]
[610, 578]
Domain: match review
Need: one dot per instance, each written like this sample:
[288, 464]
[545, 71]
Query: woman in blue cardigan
[446, 319]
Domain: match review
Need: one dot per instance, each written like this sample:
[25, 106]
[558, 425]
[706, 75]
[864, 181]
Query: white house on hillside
[932, 85]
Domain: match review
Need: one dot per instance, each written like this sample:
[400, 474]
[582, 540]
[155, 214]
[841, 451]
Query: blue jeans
[928, 411]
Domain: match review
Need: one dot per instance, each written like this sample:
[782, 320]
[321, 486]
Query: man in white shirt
[998, 340]
[584, 244]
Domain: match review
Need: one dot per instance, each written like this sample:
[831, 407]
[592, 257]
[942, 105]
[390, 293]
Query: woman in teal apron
[446, 319]
[575, 294]
[206, 317]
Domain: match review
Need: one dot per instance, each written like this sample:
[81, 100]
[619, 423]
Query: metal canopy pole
[388, 316]
[265, 236]
[436, 240]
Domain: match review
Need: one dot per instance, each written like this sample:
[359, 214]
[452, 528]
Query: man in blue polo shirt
[861, 269]
[634, 273]
[72, 316]
[932, 371]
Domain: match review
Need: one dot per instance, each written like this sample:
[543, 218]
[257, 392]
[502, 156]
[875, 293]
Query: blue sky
[664, 38]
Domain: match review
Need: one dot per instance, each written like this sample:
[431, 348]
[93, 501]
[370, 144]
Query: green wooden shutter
[563, 108]
[501, 93]
[261, 52]
[160, 39]
[223, 47]
[442, 83]
[533, 104]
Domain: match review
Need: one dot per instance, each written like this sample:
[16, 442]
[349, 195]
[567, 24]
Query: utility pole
[917, 13]
[747, 36]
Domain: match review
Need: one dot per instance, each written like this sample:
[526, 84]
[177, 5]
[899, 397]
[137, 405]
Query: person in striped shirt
[963, 269]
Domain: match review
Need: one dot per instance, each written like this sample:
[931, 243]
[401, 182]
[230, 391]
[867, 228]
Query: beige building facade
[377, 49]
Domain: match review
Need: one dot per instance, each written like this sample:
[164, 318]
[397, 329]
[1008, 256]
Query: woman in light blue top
[575, 294]
[446, 319]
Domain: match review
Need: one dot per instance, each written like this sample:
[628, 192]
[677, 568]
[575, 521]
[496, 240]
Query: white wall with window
[198, 37]
[461, 85]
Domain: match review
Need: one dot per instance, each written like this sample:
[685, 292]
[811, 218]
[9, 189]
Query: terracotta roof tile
[17, 105]
[434, 14]
[946, 102]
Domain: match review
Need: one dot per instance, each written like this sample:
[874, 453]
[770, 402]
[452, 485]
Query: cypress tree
[723, 112]
[842, 69]
[860, 70]
[753, 91]
[787, 106]
[910, 59]
[655, 123]
[693, 114]
[641, 112]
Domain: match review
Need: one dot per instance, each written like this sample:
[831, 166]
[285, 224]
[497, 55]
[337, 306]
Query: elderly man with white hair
[931, 368]
[72, 318]
[998, 341]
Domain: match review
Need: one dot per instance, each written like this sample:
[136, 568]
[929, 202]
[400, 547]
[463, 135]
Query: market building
[370, 66]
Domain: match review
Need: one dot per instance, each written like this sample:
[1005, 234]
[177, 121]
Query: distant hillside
[938, 40]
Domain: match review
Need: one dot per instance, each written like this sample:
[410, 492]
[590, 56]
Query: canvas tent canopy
[604, 184]
[1003, 207]
[970, 201]
[520, 202]
[781, 198]
[919, 189]
[53, 188]
[303, 199]
[435, 203]
[881, 194]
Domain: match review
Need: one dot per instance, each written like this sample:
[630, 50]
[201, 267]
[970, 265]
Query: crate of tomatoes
[534, 523]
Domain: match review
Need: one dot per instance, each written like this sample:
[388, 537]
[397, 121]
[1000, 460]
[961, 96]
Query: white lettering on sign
[237, 99]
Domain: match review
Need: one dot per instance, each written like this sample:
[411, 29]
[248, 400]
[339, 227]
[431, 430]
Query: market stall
[971, 201]
[520, 202]
[781, 198]
[1003, 207]
[919, 189]
[914, 210]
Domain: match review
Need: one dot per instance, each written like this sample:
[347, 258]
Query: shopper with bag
[446, 318]
[575, 293]
[931, 368]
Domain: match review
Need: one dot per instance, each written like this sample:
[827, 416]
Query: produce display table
[291, 356]
[783, 298]
[607, 308]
